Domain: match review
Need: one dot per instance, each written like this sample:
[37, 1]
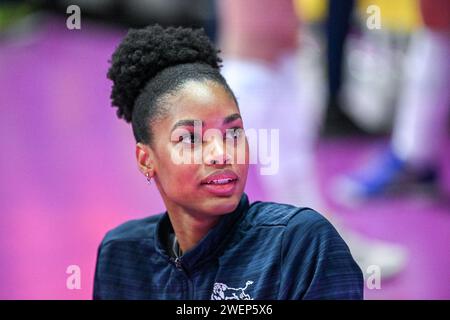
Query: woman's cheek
[185, 176]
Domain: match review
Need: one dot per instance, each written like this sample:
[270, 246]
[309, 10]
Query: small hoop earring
[149, 180]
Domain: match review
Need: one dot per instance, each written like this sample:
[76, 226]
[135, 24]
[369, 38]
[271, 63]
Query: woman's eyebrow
[186, 122]
[192, 122]
[231, 118]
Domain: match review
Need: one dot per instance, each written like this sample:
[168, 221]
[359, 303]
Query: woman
[211, 243]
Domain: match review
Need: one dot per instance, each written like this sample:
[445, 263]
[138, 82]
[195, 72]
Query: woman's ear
[145, 159]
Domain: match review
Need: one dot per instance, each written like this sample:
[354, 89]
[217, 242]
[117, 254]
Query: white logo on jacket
[223, 292]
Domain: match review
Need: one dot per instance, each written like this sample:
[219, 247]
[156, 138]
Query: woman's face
[199, 153]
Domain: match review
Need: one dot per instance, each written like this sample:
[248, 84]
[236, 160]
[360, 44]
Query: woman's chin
[221, 205]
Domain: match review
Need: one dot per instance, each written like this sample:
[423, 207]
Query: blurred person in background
[336, 26]
[411, 159]
[269, 70]
[259, 42]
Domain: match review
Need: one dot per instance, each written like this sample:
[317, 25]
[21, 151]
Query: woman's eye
[235, 133]
[189, 139]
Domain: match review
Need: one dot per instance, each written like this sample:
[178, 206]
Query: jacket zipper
[179, 265]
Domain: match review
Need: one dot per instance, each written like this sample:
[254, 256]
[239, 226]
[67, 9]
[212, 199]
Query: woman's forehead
[203, 101]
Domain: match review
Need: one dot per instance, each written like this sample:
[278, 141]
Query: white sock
[424, 100]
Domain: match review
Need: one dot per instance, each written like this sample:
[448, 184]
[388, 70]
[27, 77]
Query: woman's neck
[190, 228]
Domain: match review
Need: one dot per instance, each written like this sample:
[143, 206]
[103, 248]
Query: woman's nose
[216, 152]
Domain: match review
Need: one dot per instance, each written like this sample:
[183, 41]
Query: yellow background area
[396, 15]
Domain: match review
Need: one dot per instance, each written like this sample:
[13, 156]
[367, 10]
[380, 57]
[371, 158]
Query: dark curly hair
[153, 62]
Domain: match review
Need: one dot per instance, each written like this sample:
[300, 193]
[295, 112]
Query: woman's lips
[220, 176]
[221, 183]
[221, 189]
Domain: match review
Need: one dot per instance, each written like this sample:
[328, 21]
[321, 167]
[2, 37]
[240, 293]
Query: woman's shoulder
[281, 214]
[299, 226]
[135, 229]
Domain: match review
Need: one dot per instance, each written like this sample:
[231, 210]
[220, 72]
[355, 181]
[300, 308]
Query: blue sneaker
[385, 174]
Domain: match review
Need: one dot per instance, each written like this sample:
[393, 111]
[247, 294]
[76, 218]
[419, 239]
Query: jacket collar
[210, 245]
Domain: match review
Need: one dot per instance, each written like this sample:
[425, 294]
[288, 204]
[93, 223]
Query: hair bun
[145, 52]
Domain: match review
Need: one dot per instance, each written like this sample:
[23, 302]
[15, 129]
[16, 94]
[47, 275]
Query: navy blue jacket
[264, 250]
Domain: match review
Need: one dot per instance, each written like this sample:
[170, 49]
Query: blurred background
[358, 89]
